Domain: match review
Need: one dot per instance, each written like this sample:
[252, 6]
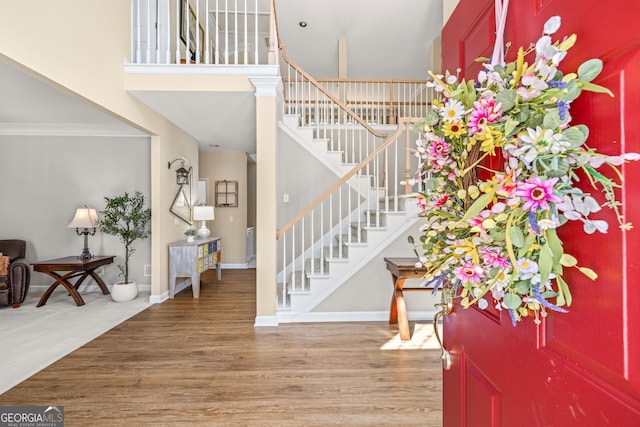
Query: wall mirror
[181, 206]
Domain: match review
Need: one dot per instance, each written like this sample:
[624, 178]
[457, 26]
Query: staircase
[373, 216]
[355, 219]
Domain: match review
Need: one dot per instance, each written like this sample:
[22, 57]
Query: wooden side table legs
[398, 311]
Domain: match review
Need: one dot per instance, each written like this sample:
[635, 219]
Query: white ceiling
[385, 39]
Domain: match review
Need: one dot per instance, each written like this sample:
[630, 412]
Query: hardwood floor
[202, 362]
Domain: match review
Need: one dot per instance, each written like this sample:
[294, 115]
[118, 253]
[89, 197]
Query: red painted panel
[582, 368]
[482, 400]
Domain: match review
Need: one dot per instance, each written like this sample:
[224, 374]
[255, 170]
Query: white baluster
[256, 59]
[235, 32]
[226, 31]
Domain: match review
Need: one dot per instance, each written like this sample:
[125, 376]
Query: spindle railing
[215, 32]
[342, 215]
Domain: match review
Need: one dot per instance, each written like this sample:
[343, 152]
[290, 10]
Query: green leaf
[560, 167]
[573, 91]
[432, 184]
[512, 301]
[545, 263]
[508, 99]
[523, 287]
[563, 289]
[589, 70]
[588, 272]
[574, 136]
[477, 206]
[517, 236]
[497, 234]
[410, 239]
[510, 126]
[551, 120]
[568, 260]
[595, 88]
[432, 118]
[482, 59]
[555, 245]
[418, 127]
[528, 242]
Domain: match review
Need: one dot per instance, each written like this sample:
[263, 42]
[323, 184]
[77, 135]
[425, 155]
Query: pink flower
[439, 148]
[484, 111]
[469, 273]
[491, 256]
[537, 193]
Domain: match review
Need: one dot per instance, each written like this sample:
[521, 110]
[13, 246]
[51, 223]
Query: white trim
[266, 86]
[235, 266]
[69, 129]
[348, 316]
[266, 321]
[203, 69]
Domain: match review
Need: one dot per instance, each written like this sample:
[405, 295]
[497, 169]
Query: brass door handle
[446, 306]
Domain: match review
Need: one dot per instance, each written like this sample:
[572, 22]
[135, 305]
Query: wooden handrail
[404, 121]
[328, 94]
[347, 80]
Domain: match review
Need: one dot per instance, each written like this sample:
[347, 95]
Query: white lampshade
[84, 218]
[203, 214]
[85, 222]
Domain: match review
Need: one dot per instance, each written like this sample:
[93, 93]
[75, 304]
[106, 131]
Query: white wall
[47, 177]
[81, 48]
[371, 289]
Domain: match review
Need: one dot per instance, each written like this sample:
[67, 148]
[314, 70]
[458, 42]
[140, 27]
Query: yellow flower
[491, 138]
[454, 129]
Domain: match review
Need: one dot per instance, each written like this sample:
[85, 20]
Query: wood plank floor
[202, 362]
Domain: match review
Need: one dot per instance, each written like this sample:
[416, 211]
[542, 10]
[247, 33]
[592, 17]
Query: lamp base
[203, 231]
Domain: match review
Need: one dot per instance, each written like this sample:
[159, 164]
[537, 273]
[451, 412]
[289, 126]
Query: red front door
[580, 368]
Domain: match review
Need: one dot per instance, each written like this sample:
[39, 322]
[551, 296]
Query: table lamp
[203, 214]
[85, 221]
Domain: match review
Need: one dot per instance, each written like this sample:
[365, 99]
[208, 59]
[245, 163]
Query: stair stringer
[331, 159]
[322, 286]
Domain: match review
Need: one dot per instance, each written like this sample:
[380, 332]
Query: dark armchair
[15, 285]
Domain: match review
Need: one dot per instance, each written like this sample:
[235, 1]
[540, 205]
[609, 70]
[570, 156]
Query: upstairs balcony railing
[215, 32]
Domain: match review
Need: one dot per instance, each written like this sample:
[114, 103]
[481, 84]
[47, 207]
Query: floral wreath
[498, 236]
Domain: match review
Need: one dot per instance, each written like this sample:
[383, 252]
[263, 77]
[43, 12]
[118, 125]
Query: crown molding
[68, 129]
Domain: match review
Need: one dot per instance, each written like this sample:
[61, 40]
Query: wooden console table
[191, 259]
[75, 267]
[401, 269]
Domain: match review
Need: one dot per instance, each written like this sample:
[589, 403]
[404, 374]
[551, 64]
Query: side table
[401, 269]
[75, 267]
[191, 259]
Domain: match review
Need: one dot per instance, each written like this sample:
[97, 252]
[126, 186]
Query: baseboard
[356, 316]
[234, 266]
[266, 321]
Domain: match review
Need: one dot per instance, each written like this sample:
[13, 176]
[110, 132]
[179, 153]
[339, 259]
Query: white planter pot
[191, 239]
[122, 292]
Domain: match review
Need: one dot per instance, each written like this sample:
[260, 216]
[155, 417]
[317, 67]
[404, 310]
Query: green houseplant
[125, 217]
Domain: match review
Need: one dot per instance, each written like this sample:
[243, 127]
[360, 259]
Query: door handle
[446, 306]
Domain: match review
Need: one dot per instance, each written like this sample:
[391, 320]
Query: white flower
[452, 111]
[552, 25]
[548, 223]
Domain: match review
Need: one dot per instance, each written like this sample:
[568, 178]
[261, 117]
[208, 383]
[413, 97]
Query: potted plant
[125, 217]
[191, 234]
